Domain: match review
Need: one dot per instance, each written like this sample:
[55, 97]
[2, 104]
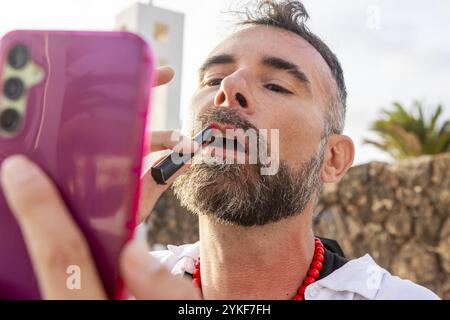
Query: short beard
[238, 194]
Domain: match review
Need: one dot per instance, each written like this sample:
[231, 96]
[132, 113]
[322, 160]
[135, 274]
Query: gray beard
[238, 194]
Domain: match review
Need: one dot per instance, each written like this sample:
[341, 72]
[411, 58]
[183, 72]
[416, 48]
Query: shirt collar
[362, 276]
[186, 255]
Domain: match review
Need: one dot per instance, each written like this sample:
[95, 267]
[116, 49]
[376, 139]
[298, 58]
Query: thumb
[147, 279]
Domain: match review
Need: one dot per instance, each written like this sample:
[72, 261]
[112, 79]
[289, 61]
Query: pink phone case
[85, 126]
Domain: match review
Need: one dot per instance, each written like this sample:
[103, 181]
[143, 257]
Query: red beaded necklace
[311, 276]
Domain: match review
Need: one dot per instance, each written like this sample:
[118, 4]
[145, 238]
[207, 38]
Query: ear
[338, 158]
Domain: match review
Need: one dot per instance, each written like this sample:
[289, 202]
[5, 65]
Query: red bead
[318, 257]
[197, 263]
[316, 265]
[301, 290]
[196, 273]
[298, 297]
[308, 281]
[197, 282]
[319, 250]
[313, 273]
[317, 240]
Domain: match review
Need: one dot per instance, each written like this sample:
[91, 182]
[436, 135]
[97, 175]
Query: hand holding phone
[74, 103]
[53, 239]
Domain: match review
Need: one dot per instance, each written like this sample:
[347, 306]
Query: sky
[389, 50]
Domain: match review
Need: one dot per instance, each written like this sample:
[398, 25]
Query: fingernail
[18, 169]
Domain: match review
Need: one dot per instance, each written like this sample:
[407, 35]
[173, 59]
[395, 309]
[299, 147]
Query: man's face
[261, 78]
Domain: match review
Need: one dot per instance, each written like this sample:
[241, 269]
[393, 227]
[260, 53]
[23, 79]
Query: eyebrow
[269, 61]
[215, 60]
[284, 65]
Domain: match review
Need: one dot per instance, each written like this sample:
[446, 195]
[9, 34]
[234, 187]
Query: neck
[261, 262]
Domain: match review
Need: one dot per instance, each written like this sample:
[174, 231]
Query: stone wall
[398, 213]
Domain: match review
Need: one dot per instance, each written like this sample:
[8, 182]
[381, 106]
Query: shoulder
[393, 287]
[362, 278]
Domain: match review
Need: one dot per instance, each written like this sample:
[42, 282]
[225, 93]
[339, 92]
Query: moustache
[222, 115]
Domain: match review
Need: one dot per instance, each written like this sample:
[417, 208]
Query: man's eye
[277, 88]
[213, 82]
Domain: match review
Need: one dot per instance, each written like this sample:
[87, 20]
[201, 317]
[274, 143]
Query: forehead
[264, 36]
[250, 44]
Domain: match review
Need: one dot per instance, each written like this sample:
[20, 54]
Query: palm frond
[405, 133]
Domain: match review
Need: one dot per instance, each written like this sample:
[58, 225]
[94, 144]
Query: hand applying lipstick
[167, 167]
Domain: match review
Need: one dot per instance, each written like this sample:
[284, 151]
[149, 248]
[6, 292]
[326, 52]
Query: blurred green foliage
[405, 133]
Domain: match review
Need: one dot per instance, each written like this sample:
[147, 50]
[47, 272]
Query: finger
[171, 139]
[151, 191]
[56, 246]
[164, 75]
[145, 278]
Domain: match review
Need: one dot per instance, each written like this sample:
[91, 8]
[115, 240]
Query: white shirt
[358, 279]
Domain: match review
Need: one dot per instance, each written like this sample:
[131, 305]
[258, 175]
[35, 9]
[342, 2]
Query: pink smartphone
[75, 103]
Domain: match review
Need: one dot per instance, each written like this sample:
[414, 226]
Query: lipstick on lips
[166, 167]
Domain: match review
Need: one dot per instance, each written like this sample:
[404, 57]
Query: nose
[235, 93]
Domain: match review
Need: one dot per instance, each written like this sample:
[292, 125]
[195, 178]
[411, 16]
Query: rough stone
[416, 263]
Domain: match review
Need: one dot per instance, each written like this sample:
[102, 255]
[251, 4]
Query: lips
[228, 137]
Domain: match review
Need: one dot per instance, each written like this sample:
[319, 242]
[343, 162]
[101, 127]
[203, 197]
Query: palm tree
[411, 134]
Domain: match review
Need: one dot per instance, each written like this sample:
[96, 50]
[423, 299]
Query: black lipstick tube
[166, 167]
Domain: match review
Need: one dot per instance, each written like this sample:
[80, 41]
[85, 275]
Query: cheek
[300, 134]
[202, 100]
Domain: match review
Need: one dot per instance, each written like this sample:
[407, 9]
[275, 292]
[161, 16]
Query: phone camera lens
[18, 56]
[9, 120]
[13, 88]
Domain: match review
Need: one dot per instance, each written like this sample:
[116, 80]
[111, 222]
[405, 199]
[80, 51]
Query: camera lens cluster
[13, 88]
